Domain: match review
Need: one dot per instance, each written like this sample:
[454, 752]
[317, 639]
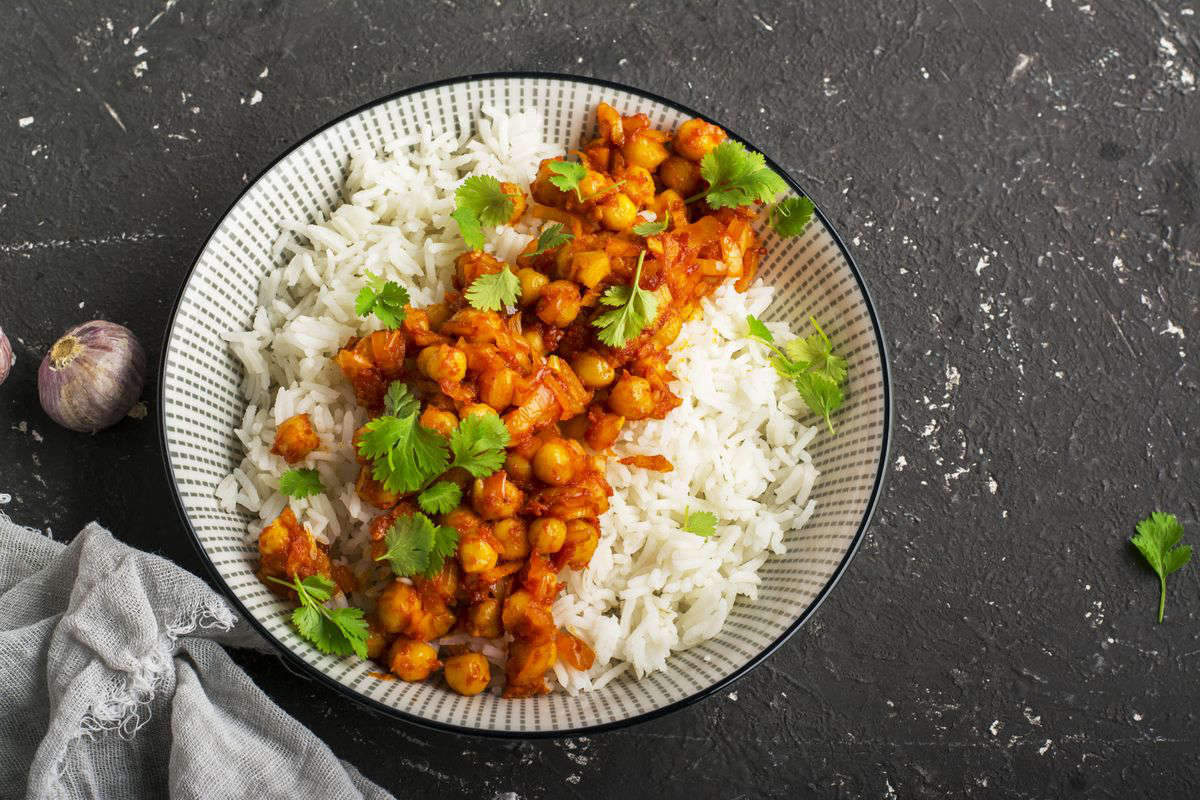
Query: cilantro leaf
[816, 353]
[551, 238]
[494, 291]
[758, 330]
[1156, 539]
[338, 631]
[483, 197]
[821, 393]
[737, 177]
[478, 444]
[635, 307]
[441, 498]
[416, 547]
[567, 175]
[383, 298]
[405, 453]
[702, 523]
[399, 400]
[790, 215]
[299, 483]
[653, 228]
[469, 227]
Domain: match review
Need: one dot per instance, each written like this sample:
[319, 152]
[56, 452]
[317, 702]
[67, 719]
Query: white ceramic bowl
[201, 406]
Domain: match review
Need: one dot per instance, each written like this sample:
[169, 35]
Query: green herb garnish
[702, 523]
[737, 177]
[339, 631]
[653, 228]
[480, 201]
[551, 238]
[1156, 539]
[790, 215]
[297, 483]
[440, 498]
[567, 175]
[415, 546]
[383, 298]
[810, 364]
[634, 308]
[493, 291]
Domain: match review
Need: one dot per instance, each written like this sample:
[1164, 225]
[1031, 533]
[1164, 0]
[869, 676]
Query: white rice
[735, 443]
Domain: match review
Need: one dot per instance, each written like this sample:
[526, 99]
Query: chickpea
[528, 663]
[443, 363]
[443, 584]
[547, 534]
[468, 674]
[295, 438]
[439, 419]
[476, 555]
[670, 203]
[518, 467]
[496, 387]
[594, 371]
[589, 267]
[696, 138]
[560, 304]
[518, 200]
[643, 151]
[483, 619]
[513, 538]
[372, 491]
[398, 603]
[580, 543]
[377, 641]
[618, 213]
[532, 284]
[553, 463]
[412, 661]
[681, 175]
[522, 616]
[496, 497]
[639, 185]
[478, 410]
[533, 339]
[575, 427]
[631, 397]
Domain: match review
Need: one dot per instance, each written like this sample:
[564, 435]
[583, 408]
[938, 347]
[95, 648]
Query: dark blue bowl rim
[294, 660]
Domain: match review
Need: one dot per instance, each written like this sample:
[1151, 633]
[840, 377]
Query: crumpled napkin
[114, 683]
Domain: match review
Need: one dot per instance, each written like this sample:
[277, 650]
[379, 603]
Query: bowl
[200, 407]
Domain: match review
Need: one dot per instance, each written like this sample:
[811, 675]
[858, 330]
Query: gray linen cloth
[114, 684]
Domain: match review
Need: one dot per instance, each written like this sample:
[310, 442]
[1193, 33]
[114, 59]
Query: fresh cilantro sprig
[383, 298]
[406, 456]
[551, 238]
[440, 498]
[810, 364]
[494, 291]
[339, 631]
[790, 215]
[634, 308]
[567, 175]
[653, 228]
[415, 546]
[480, 201]
[737, 177]
[702, 523]
[297, 483]
[1157, 538]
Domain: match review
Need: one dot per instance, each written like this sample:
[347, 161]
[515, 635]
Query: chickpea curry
[493, 412]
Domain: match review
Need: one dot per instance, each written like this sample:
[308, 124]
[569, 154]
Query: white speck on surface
[1031, 718]
[23, 426]
[1172, 329]
[995, 727]
[992, 485]
[1042, 750]
[81, 302]
[139, 69]
[984, 262]
[890, 791]
[1167, 47]
[573, 778]
[37, 437]
[256, 98]
[760, 21]
[5, 499]
[1118, 264]
[622, 62]
[1023, 62]
[733, 696]
[25, 122]
[112, 113]
[141, 51]
[901, 463]
[953, 379]
[263, 74]
[1137, 717]
[929, 429]
[924, 73]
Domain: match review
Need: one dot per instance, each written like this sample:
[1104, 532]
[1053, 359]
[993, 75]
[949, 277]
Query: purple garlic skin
[7, 359]
[92, 376]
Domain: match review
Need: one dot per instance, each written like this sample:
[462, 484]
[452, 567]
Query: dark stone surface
[1019, 183]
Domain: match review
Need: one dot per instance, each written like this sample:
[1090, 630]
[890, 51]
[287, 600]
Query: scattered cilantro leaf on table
[338, 631]
[385, 299]
[1157, 538]
[634, 308]
[494, 291]
[297, 483]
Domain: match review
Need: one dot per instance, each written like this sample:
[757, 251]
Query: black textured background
[1019, 183]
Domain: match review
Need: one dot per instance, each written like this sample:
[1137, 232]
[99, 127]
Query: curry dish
[562, 394]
